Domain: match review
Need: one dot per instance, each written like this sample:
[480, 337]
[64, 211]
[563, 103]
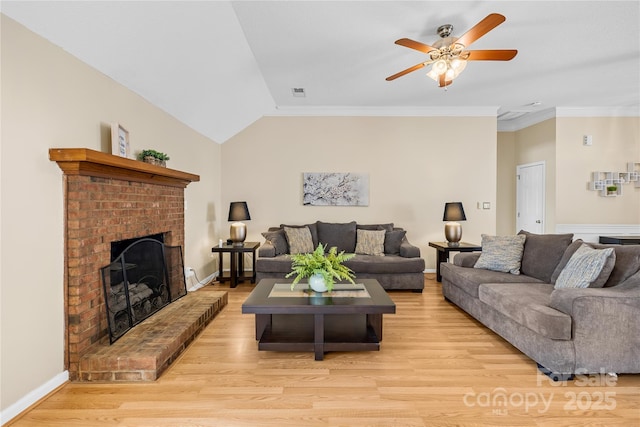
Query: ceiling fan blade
[443, 82]
[412, 44]
[491, 55]
[407, 71]
[480, 29]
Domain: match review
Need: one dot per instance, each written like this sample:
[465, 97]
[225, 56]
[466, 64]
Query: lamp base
[238, 232]
[453, 234]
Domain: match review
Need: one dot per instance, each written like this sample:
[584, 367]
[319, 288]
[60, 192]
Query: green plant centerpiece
[153, 157]
[327, 265]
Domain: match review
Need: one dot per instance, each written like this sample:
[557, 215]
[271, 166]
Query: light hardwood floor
[436, 367]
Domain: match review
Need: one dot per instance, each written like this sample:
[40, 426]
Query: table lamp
[238, 211]
[453, 212]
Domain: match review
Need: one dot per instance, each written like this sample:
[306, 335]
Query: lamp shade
[239, 211]
[454, 212]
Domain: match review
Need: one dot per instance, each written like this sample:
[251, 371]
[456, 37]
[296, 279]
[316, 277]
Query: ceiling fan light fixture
[450, 68]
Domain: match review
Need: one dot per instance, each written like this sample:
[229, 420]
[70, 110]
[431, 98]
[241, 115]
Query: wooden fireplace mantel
[83, 161]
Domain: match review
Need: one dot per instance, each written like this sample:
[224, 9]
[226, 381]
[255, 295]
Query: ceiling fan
[449, 55]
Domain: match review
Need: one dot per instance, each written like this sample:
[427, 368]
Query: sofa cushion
[385, 265]
[371, 264]
[370, 242]
[501, 253]
[386, 227]
[542, 253]
[392, 241]
[340, 235]
[529, 306]
[278, 240]
[299, 240]
[469, 279]
[587, 268]
[277, 264]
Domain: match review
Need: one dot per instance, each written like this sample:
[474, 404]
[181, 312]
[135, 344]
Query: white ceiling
[220, 65]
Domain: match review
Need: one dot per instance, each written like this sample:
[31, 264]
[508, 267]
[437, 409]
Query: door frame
[543, 185]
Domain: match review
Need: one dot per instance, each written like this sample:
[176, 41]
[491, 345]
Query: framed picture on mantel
[119, 141]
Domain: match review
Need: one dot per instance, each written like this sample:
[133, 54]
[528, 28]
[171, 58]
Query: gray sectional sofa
[565, 330]
[396, 264]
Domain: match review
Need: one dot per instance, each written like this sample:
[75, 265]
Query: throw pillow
[340, 235]
[501, 253]
[278, 240]
[311, 227]
[299, 239]
[585, 268]
[392, 241]
[370, 242]
[542, 253]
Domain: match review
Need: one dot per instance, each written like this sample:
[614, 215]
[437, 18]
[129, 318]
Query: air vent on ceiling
[298, 92]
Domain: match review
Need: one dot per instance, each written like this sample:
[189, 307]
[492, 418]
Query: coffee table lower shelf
[318, 333]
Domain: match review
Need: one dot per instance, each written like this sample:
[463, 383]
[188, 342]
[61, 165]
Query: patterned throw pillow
[370, 242]
[586, 268]
[299, 239]
[501, 253]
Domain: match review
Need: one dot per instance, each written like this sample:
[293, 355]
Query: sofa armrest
[407, 250]
[605, 327]
[267, 250]
[566, 300]
[466, 259]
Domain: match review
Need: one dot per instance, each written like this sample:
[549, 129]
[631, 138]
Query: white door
[530, 197]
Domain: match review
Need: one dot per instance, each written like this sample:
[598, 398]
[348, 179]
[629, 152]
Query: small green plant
[152, 153]
[612, 188]
[329, 265]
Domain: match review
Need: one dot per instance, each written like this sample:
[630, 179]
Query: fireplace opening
[143, 278]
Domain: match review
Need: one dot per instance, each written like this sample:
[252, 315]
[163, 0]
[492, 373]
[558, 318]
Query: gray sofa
[398, 267]
[568, 330]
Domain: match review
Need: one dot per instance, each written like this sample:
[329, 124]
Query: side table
[443, 252]
[237, 263]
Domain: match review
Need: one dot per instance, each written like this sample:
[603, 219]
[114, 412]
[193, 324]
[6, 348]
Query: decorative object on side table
[238, 211]
[453, 212]
[153, 157]
[321, 268]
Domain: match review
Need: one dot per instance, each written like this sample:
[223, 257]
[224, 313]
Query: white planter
[317, 283]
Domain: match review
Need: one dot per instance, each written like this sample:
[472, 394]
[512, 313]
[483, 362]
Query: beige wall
[415, 165]
[506, 184]
[616, 141]
[50, 99]
[537, 143]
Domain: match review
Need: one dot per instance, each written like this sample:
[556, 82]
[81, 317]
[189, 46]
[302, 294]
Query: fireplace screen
[146, 277]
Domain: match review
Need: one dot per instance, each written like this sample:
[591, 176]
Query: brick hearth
[110, 198]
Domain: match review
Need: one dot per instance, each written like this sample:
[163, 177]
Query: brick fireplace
[107, 199]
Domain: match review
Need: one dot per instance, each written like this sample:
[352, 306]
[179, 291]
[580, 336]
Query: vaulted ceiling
[220, 65]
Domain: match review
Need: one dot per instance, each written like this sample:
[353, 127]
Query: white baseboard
[592, 232]
[32, 397]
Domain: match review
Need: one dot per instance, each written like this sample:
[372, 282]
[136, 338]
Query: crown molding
[633, 111]
[343, 111]
[528, 119]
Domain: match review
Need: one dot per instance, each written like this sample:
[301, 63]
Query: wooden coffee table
[349, 319]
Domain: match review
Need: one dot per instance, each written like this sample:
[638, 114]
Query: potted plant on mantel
[322, 269]
[153, 157]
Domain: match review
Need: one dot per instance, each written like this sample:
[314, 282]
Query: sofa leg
[555, 376]
[416, 291]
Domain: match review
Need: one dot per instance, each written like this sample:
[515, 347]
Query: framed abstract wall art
[335, 189]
